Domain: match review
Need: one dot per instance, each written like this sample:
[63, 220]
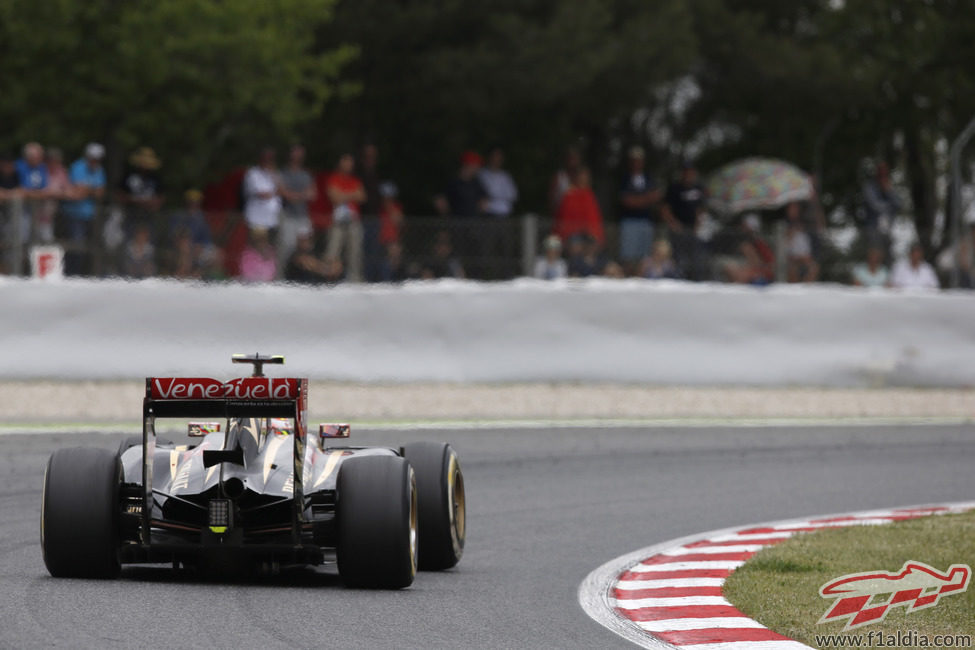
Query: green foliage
[202, 82]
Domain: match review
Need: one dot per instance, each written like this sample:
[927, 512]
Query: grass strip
[779, 586]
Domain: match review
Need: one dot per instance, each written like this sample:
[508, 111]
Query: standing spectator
[58, 189]
[872, 273]
[465, 198]
[367, 168]
[88, 181]
[32, 177]
[390, 214]
[140, 192]
[31, 171]
[258, 261]
[682, 209]
[465, 195]
[262, 202]
[500, 189]
[297, 190]
[660, 263]
[914, 272]
[579, 212]
[562, 179]
[638, 197]
[880, 202]
[346, 193]
[500, 195]
[551, 266]
[392, 266]
[139, 256]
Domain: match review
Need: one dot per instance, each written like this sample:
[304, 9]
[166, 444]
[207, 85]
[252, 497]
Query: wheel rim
[458, 512]
[413, 519]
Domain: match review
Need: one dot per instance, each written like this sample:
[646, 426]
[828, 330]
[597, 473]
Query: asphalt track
[545, 507]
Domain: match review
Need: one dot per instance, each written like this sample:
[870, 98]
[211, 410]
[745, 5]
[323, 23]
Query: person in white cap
[87, 178]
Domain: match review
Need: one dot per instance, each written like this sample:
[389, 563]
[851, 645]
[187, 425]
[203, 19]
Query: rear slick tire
[377, 522]
[443, 508]
[80, 513]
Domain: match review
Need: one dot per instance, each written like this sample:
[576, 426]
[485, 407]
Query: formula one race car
[256, 496]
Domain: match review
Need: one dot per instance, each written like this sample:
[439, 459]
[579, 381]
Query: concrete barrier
[629, 331]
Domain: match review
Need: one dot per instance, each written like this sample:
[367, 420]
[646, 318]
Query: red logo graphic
[916, 586]
[245, 388]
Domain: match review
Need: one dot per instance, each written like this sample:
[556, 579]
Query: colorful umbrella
[757, 184]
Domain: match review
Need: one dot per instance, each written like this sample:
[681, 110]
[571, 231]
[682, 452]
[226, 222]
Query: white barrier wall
[591, 331]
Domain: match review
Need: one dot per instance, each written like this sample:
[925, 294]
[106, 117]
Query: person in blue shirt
[31, 170]
[87, 178]
[32, 177]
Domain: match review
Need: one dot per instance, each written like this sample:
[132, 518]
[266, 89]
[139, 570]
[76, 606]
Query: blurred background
[322, 141]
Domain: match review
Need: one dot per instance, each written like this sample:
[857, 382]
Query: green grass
[779, 585]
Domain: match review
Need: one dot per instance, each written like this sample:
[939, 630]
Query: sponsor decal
[867, 598]
[247, 389]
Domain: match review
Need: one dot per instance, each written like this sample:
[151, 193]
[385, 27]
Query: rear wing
[204, 397]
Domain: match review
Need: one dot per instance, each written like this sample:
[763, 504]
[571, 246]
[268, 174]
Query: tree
[825, 84]
[203, 82]
[532, 76]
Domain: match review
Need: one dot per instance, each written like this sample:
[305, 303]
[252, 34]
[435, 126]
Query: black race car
[256, 495]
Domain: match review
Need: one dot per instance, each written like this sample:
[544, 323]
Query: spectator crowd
[348, 225]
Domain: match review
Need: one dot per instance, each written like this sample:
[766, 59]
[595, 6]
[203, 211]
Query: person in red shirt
[346, 193]
[578, 211]
[390, 214]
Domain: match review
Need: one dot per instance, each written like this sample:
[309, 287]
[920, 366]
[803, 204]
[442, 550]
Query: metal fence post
[529, 243]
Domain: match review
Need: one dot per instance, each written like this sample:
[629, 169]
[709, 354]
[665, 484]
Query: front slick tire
[79, 513]
[377, 522]
[443, 513]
